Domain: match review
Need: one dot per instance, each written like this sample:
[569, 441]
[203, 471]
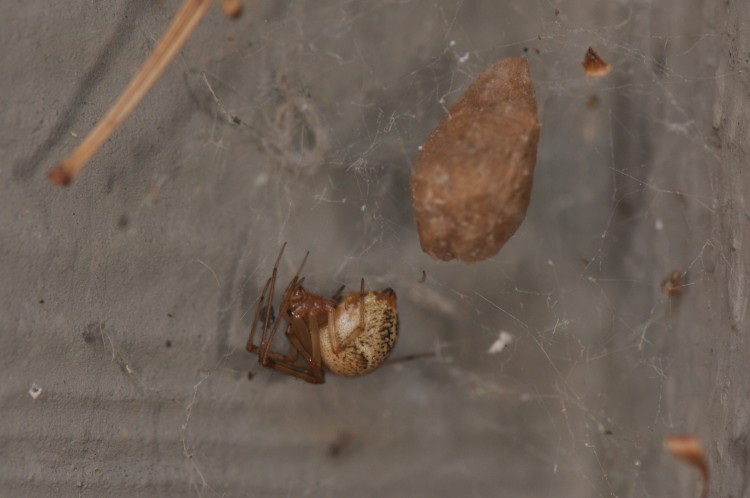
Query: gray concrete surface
[126, 298]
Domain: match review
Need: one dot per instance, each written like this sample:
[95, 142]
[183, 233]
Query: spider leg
[302, 341]
[267, 339]
[314, 334]
[296, 281]
[298, 334]
[337, 297]
[269, 304]
[302, 265]
[251, 347]
[304, 360]
[362, 303]
[264, 315]
[306, 340]
[297, 371]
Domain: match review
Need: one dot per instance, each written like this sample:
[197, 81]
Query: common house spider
[349, 336]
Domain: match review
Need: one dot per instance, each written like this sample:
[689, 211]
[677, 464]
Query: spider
[349, 336]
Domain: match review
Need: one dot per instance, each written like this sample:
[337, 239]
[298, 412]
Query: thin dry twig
[182, 26]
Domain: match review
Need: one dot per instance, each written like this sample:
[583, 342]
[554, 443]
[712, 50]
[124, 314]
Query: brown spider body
[350, 336]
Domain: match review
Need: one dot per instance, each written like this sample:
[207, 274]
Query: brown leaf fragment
[594, 65]
[687, 447]
[471, 183]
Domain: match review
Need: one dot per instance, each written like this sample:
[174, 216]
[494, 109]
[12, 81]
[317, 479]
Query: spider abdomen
[372, 346]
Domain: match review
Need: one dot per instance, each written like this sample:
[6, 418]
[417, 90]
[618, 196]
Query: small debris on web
[503, 341]
[594, 65]
[471, 183]
[593, 103]
[688, 448]
[343, 440]
[35, 391]
[672, 285]
[231, 8]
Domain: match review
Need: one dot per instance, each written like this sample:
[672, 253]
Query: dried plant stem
[183, 24]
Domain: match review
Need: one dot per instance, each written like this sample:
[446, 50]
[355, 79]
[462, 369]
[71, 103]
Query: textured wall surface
[125, 298]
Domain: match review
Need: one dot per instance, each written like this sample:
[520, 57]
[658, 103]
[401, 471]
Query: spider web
[577, 398]
[559, 365]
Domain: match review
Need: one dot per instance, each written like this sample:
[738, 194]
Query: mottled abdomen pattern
[372, 347]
